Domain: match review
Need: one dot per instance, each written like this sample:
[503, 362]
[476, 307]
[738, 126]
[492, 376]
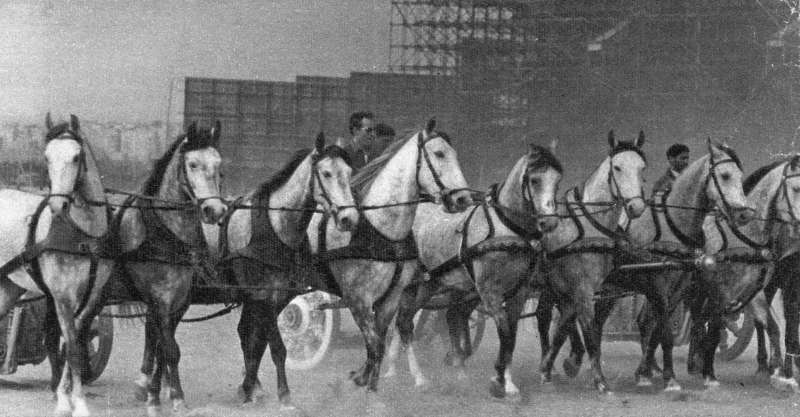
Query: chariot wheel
[99, 343]
[736, 334]
[306, 330]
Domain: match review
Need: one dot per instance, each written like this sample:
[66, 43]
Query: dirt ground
[211, 370]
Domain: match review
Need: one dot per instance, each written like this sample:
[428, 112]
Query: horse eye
[326, 174]
[193, 165]
[534, 181]
[617, 168]
[75, 158]
[725, 177]
[439, 154]
[796, 189]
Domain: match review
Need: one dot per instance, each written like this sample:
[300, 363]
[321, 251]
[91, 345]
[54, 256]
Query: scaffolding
[683, 69]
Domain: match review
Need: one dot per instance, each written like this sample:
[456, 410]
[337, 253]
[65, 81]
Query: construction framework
[680, 69]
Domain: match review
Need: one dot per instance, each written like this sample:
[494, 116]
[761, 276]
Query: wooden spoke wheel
[306, 330]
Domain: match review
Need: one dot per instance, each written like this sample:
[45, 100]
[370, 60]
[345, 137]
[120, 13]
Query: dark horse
[162, 245]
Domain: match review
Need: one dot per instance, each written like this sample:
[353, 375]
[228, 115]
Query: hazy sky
[113, 60]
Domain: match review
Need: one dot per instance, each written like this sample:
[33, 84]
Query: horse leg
[567, 315]
[252, 331]
[663, 333]
[412, 297]
[592, 321]
[759, 308]
[647, 324]
[710, 343]
[698, 333]
[773, 331]
[155, 345]
[52, 344]
[172, 355]
[278, 350]
[506, 319]
[791, 311]
[142, 384]
[457, 318]
[71, 376]
[544, 315]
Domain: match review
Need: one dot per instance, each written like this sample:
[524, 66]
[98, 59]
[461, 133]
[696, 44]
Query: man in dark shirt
[678, 157]
[362, 132]
[384, 136]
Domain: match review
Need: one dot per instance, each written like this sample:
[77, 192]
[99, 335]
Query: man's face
[363, 136]
[679, 162]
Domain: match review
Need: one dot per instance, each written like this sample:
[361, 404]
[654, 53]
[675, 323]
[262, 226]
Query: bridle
[712, 176]
[614, 184]
[423, 154]
[186, 188]
[82, 167]
[315, 158]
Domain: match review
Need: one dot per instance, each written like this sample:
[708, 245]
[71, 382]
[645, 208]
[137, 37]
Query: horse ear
[533, 150]
[215, 132]
[612, 141]
[430, 126]
[319, 145]
[710, 145]
[639, 140]
[48, 122]
[74, 123]
[553, 145]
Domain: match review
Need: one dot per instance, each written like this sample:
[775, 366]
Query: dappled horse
[162, 244]
[774, 191]
[371, 266]
[673, 231]
[485, 255]
[62, 252]
[577, 252]
[261, 239]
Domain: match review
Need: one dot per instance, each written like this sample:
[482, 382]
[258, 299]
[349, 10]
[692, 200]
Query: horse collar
[613, 234]
[673, 227]
[525, 225]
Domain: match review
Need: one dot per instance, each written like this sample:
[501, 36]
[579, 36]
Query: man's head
[384, 136]
[678, 157]
[362, 127]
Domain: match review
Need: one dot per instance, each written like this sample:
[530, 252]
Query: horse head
[540, 180]
[331, 184]
[66, 162]
[438, 170]
[723, 185]
[200, 165]
[625, 173]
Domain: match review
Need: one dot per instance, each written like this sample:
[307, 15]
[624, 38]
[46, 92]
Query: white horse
[61, 252]
[485, 252]
[371, 266]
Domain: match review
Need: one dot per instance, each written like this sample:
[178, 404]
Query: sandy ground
[211, 365]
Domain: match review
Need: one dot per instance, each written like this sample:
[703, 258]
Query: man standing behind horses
[362, 132]
[678, 157]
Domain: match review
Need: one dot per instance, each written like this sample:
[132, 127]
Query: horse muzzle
[212, 210]
[635, 207]
[59, 205]
[456, 201]
[347, 219]
[742, 215]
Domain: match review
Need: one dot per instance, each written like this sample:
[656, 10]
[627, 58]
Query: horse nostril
[462, 201]
[208, 212]
[345, 222]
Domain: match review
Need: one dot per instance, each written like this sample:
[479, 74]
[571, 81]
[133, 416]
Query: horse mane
[367, 174]
[279, 178]
[153, 182]
[732, 154]
[544, 160]
[753, 179]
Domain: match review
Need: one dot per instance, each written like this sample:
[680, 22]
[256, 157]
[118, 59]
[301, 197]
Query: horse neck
[596, 190]
[185, 224]
[761, 198]
[688, 190]
[510, 194]
[295, 194]
[90, 216]
[395, 183]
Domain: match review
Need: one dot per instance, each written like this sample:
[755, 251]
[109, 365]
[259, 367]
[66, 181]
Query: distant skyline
[112, 60]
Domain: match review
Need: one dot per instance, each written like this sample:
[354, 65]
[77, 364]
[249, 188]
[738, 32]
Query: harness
[64, 236]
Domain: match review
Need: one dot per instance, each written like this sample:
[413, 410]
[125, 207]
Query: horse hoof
[711, 383]
[672, 386]
[140, 393]
[243, 396]
[763, 372]
[571, 368]
[153, 411]
[391, 373]
[448, 359]
[643, 381]
[421, 384]
[179, 408]
[783, 384]
[514, 398]
[62, 413]
[496, 389]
